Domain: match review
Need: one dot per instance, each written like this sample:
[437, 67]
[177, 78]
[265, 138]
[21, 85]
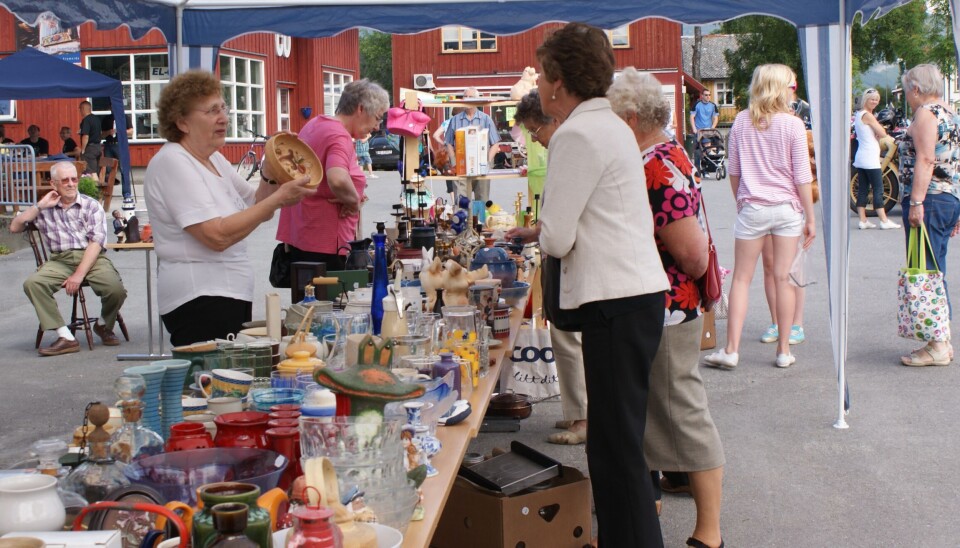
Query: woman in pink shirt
[319, 227]
[770, 176]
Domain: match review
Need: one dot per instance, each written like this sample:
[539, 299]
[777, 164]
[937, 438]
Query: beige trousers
[569, 359]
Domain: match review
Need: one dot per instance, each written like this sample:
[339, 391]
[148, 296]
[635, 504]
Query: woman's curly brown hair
[581, 56]
[181, 95]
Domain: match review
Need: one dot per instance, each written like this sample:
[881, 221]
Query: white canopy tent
[823, 26]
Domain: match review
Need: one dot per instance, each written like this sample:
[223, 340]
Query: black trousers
[620, 340]
[206, 318]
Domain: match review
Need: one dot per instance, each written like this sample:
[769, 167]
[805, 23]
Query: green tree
[762, 40]
[376, 58]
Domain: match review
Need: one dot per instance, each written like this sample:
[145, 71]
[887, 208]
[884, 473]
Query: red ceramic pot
[244, 429]
[284, 415]
[283, 423]
[286, 441]
[185, 436]
[285, 407]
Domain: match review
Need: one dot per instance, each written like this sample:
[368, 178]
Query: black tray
[512, 472]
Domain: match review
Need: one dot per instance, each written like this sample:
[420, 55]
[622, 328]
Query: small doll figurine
[119, 226]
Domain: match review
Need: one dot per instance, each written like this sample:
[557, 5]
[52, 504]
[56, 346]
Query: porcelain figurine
[431, 279]
[455, 284]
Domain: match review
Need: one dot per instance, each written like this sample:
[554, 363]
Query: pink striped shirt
[770, 163]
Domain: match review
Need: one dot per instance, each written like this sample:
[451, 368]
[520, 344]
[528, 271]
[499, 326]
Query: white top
[598, 219]
[868, 152]
[180, 192]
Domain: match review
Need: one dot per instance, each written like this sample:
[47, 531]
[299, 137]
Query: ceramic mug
[484, 298]
[194, 406]
[220, 406]
[233, 383]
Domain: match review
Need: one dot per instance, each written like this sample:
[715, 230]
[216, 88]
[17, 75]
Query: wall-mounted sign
[49, 37]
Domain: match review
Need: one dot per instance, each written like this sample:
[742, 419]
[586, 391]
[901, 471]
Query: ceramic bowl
[291, 158]
[178, 475]
[513, 295]
[265, 398]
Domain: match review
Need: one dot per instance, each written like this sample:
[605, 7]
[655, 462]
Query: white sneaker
[888, 225]
[866, 225]
[129, 204]
[785, 360]
[722, 360]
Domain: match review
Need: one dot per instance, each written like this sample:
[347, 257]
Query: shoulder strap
[706, 220]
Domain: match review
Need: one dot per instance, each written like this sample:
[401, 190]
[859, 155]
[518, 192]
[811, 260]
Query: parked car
[384, 151]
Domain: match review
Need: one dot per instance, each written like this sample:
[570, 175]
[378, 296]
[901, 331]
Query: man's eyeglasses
[73, 180]
[222, 108]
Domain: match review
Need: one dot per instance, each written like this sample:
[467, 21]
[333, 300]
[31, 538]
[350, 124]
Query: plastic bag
[800, 272]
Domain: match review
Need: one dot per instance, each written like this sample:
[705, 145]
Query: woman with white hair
[680, 433]
[770, 176]
[867, 161]
[929, 158]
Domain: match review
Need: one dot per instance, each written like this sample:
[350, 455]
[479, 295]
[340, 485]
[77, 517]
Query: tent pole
[841, 422]
[179, 48]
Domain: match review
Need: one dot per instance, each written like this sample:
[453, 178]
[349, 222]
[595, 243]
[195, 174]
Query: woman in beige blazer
[597, 220]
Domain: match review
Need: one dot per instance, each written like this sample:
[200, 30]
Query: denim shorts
[756, 221]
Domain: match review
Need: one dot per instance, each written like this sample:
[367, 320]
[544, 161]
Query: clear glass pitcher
[459, 323]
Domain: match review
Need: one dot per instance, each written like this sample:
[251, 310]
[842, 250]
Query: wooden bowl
[291, 158]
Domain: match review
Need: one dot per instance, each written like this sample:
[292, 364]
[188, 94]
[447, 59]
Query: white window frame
[621, 34]
[283, 116]
[474, 36]
[720, 94]
[233, 90]
[333, 84]
[12, 115]
[130, 93]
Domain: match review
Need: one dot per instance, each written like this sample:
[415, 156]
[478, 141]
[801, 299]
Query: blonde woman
[867, 161]
[770, 176]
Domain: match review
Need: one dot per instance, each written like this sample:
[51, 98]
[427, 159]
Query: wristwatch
[912, 203]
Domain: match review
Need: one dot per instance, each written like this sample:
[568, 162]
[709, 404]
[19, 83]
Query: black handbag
[280, 267]
[564, 320]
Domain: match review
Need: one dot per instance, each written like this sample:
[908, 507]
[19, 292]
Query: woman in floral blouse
[680, 434]
[930, 172]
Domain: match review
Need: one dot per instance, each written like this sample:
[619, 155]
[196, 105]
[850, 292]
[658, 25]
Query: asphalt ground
[791, 478]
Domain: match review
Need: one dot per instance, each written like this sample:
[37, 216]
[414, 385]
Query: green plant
[89, 186]
[4, 250]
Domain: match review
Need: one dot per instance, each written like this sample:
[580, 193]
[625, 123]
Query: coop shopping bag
[924, 312]
[531, 369]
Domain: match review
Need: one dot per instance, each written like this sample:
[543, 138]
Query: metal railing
[18, 175]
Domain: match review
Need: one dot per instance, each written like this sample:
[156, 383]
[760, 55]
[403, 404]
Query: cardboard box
[460, 150]
[558, 516]
[74, 539]
[471, 146]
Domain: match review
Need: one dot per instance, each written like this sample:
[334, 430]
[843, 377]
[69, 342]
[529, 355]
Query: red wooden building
[271, 82]
[450, 59]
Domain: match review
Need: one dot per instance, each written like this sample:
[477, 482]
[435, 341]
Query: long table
[456, 439]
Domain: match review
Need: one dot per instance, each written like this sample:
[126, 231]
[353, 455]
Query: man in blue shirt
[472, 117]
[705, 115]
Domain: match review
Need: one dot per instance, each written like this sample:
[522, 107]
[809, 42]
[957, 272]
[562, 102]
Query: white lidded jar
[29, 502]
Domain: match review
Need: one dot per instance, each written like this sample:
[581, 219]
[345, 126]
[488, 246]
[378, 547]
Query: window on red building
[283, 109]
[620, 36]
[143, 76]
[463, 39]
[333, 83]
[242, 81]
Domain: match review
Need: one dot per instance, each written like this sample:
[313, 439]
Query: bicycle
[250, 163]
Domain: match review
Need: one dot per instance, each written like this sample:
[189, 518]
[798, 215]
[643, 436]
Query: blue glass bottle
[379, 277]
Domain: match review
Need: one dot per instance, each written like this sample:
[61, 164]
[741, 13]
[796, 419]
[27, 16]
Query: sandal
[568, 437]
[697, 543]
[925, 356]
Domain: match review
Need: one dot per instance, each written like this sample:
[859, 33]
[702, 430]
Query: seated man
[74, 227]
[70, 147]
[40, 145]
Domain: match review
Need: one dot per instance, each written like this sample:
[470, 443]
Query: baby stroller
[713, 155]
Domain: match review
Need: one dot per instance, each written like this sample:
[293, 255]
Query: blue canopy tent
[31, 74]
[823, 26]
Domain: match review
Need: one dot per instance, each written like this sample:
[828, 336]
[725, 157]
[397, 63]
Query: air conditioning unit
[423, 81]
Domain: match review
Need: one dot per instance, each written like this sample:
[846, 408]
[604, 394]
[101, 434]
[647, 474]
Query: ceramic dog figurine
[527, 82]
